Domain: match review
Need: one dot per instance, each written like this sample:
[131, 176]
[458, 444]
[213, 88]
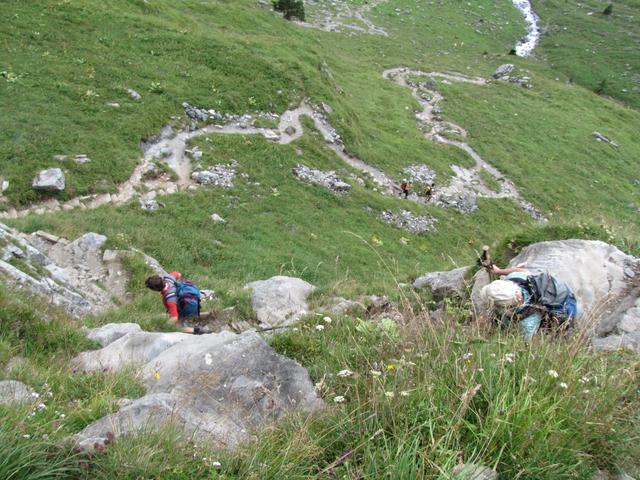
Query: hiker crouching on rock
[180, 299]
[532, 300]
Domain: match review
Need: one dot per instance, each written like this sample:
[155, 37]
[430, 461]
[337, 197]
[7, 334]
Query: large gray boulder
[279, 301]
[13, 392]
[49, 180]
[218, 388]
[606, 283]
[444, 284]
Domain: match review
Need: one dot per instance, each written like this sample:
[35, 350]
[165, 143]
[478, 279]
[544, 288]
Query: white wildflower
[480, 370]
[584, 380]
[563, 385]
[389, 394]
[339, 399]
[467, 356]
[326, 319]
[375, 373]
[62, 415]
[493, 355]
[345, 373]
[216, 464]
[319, 327]
[35, 394]
[404, 393]
[509, 357]
[553, 373]
[586, 391]
[26, 435]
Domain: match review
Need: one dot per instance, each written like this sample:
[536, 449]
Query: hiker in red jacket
[404, 186]
[180, 303]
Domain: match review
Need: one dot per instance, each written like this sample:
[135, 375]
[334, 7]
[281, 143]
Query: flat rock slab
[606, 281]
[111, 332]
[13, 392]
[132, 348]
[279, 301]
[219, 388]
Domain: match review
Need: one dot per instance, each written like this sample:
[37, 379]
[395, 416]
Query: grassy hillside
[600, 52]
[64, 62]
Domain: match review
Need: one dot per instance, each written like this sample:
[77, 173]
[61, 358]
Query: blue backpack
[188, 299]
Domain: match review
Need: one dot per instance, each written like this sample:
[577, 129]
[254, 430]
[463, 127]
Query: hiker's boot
[197, 330]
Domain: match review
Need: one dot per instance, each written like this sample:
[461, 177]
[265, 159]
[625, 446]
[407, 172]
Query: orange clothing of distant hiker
[170, 294]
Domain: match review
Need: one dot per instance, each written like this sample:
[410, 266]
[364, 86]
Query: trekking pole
[487, 264]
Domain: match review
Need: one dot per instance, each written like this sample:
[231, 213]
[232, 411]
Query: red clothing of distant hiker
[170, 295]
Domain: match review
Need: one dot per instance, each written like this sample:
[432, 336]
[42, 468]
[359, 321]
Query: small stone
[51, 180]
[149, 205]
[113, 105]
[472, 471]
[602, 138]
[60, 158]
[81, 159]
[133, 94]
[217, 218]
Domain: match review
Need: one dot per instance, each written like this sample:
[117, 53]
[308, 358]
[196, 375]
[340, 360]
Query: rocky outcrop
[79, 276]
[13, 392]
[606, 283]
[279, 301]
[217, 388]
[503, 70]
[444, 284]
[603, 138]
[217, 175]
[51, 180]
[328, 180]
[409, 221]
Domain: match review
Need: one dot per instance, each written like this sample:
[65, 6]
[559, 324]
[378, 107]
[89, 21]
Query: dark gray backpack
[545, 290]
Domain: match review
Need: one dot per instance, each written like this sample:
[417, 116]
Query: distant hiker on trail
[180, 298]
[534, 300]
[404, 187]
[428, 191]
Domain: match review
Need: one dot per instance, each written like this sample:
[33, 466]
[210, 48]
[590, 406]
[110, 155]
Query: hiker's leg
[530, 324]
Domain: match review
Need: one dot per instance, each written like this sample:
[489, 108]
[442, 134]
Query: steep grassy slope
[239, 57]
[600, 52]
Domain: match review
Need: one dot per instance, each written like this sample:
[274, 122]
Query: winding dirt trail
[172, 149]
[436, 129]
